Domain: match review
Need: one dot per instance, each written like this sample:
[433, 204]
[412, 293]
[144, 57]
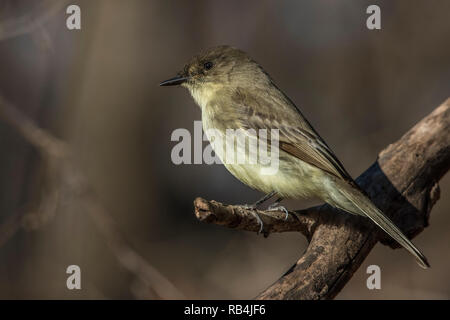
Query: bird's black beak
[174, 81]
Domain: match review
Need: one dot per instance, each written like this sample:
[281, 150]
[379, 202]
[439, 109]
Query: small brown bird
[234, 92]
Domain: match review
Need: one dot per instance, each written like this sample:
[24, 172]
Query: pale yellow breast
[294, 178]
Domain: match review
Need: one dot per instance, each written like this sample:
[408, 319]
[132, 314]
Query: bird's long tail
[366, 208]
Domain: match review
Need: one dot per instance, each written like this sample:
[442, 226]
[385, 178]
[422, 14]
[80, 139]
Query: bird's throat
[204, 94]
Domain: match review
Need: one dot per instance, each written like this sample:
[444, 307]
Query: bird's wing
[296, 135]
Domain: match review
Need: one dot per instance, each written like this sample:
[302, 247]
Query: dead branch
[403, 182]
[238, 217]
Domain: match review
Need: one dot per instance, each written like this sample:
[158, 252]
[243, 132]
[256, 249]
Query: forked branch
[403, 182]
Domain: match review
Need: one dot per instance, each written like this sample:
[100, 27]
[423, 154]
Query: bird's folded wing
[296, 136]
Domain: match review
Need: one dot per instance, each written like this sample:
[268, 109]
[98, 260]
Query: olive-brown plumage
[234, 92]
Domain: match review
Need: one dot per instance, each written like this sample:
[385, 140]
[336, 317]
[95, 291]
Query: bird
[234, 92]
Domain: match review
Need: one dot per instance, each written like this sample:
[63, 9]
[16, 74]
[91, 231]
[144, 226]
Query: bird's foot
[276, 207]
[249, 206]
[252, 208]
[261, 224]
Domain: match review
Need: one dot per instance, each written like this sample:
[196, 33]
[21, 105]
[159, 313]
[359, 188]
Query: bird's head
[219, 67]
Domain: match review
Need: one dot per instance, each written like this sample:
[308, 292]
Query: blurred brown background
[97, 88]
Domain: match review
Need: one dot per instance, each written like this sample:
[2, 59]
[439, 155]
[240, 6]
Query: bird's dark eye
[208, 65]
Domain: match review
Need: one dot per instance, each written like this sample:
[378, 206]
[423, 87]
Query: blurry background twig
[12, 25]
[67, 181]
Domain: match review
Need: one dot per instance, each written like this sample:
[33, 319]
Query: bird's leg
[260, 201]
[276, 207]
[255, 205]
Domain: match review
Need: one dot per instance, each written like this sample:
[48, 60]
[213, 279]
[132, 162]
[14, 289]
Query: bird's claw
[252, 207]
[258, 218]
[276, 207]
[249, 206]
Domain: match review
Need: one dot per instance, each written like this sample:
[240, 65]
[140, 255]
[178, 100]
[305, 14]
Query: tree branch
[241, 218]
[403, 182]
